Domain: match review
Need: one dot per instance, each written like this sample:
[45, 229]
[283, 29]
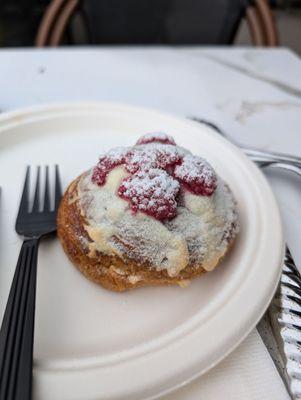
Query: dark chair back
[163, 21]
[171, 22]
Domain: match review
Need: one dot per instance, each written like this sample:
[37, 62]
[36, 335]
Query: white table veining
[254, 95]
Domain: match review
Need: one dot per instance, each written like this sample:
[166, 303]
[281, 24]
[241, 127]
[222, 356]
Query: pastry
[150, 214]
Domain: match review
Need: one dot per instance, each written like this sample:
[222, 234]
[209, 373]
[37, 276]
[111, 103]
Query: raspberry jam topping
[158, 137]
[151, 191]
[152, 156]
[157, 167]
[106, 163]
[197, 175]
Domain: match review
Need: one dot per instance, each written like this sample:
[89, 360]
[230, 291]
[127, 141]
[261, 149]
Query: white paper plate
[94, 344]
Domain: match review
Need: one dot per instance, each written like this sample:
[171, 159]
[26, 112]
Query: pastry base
[110, 271]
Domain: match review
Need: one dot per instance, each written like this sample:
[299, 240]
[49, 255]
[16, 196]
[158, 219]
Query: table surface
[254, 95]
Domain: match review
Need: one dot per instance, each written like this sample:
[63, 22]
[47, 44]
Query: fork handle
[17, 330]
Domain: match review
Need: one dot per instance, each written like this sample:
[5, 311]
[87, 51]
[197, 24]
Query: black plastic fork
[17, 330]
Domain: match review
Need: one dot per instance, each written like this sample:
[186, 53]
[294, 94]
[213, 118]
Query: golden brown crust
[112, 272]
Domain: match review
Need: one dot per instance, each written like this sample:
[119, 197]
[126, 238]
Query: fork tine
[46, 192]
[25, 194]
[36, 201]
[58, 188]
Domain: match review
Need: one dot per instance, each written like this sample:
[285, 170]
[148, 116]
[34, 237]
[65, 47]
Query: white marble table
[254, 95]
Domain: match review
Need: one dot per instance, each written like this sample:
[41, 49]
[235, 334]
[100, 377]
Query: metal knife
[280, 328]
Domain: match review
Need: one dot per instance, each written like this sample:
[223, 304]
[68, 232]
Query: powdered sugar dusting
[198, 235]
[152, 188]
[159, 204]
[152, 191]
[208, 224]
[197, 174]
[117, 154]
[159, 137]
[107, 162]
[154, 155]
[115, 229]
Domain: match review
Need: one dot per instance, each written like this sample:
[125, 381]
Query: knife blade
[280, 328]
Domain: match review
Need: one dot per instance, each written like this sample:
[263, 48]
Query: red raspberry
[152, 192]
[197, 175]
[158, 137]
[157, 169]
[106, 163]
[152, 156]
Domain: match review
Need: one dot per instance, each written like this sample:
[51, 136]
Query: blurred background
[171, 22]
